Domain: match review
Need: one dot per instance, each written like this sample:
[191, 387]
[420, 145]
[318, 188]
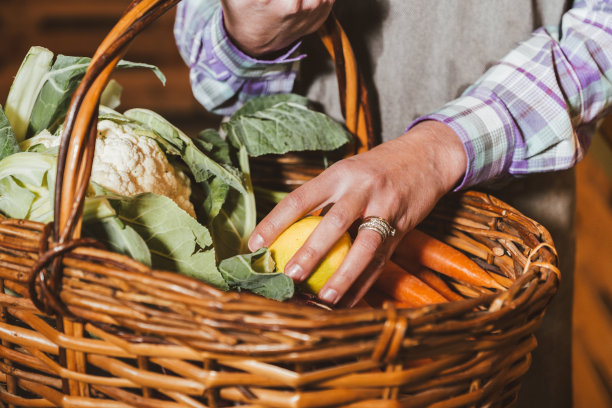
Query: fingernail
[255, 242]
[329, 295]
[294, 272]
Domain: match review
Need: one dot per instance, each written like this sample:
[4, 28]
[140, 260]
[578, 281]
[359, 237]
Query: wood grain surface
[592, 355]
[76, 27]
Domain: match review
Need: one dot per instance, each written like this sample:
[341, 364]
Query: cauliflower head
[129, 163]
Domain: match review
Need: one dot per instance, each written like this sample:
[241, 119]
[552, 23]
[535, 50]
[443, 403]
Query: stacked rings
[379, 225]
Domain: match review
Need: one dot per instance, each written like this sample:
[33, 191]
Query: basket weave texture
[85, 327]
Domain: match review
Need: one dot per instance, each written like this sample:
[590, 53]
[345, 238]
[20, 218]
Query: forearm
[263, 28]
[441, 153]
[531, 112]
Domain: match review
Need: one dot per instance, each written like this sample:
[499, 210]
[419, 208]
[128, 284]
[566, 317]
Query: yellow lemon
[287, 244]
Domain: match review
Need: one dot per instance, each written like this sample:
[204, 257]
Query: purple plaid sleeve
[534, 111]
[223, 77]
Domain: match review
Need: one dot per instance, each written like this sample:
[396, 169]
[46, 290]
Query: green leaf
[201, 166]
[15, 200]
[25, 89]
[284, 127]
[122, 64]
[272, 196]
[232, 226]
[40, 94]
[119, 238]
[107, 113]
[60, 83]
[24, 181]
[27, 182]
[43, 142]
[265, 102]
[210, 141]
[8, 143]
[176, 240]
[139, 128]
[230, 204]
[159, 125]
[255, 272]
[111, 96]
[216, 191]
[96, 209]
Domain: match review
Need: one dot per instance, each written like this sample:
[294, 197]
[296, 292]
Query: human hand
[259, 27]
[400, 181]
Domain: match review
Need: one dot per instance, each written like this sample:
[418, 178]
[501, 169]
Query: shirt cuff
[243, 65]
[487, 131]
[223, 78]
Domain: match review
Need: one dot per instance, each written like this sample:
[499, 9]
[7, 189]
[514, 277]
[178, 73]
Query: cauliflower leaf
[284, 124]
[177, 241]
[8, 142]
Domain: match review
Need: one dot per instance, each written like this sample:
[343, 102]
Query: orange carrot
[405, 287]
[419, 248]
[376, 298]
[433, 280]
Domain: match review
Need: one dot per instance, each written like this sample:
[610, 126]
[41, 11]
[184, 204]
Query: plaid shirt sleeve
[223, 77]
[534, 110]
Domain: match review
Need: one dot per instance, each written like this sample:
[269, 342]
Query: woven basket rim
[309, 308]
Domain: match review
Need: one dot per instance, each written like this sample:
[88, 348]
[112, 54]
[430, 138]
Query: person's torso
[416, 55]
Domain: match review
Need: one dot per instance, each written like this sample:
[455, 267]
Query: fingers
[349, 195]
[367, 250]
[308, 197]
[261, 27]
[368, 277]
[334, 224]
[400, 181]
[316, 4]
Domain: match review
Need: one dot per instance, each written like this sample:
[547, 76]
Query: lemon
[287, 244]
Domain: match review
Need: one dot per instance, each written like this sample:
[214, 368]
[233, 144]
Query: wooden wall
[592, 340]
[76, 27]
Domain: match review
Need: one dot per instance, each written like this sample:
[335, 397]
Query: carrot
[433, 280]
[419, 248]
[376, 298]
[405, 287]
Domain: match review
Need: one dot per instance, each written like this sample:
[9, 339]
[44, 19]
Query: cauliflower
[129, 164]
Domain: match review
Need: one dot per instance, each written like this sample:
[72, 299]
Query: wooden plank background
[76, 27]
[592, 337]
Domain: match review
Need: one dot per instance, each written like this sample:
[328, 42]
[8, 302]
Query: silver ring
[379, 225]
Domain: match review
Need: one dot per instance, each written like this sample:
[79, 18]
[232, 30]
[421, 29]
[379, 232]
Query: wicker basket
[84, 327]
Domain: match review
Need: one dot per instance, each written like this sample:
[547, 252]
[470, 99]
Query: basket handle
[75, 157]
[76, 152]
[354, 101]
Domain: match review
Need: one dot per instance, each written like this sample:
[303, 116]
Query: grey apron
[417, 55]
